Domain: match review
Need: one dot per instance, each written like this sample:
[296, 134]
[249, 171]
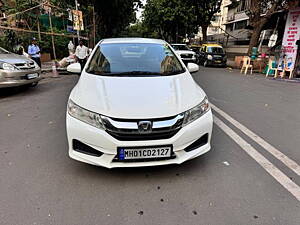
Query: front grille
[188, 56]
[142, 137]
[25, 66]
[128, 130]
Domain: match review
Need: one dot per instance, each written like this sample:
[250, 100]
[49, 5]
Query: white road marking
[268, 147]
[286, 182]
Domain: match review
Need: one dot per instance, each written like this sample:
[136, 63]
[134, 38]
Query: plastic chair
[246, 65]
[272, 67]
[287, 69]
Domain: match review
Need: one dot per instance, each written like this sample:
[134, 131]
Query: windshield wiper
[135, 73]
[128, 73]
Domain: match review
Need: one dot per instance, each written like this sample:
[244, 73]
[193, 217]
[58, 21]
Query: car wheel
[34, 84]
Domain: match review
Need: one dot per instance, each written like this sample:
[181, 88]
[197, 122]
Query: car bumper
[217, 62]
[106, 144]
[18, 78]
[187, 60]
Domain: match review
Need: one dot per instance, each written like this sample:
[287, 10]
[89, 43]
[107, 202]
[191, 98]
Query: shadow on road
[199, 164]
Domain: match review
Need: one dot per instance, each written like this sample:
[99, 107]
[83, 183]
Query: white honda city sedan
[136, 104]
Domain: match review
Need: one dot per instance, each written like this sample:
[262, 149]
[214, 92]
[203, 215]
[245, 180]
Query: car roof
[132, 40]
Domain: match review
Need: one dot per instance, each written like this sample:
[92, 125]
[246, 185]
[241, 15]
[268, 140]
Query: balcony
[231, 18]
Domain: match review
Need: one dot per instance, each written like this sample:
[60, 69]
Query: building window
[241, 25]
[215, 18]
[229, 27]
[244, 5]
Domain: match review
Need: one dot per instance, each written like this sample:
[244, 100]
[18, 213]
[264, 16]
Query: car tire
[34, 84]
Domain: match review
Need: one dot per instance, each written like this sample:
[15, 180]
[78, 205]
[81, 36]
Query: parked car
[197, 49]
[17, 70]
[213, 55]
[136, 104]
[185, 53]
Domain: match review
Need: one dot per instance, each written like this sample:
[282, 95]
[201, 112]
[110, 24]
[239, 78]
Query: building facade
[217, 25]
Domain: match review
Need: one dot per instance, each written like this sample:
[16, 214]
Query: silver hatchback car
[17, 70]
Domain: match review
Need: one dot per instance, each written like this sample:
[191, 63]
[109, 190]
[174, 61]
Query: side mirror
[74, 68]
[193, 67]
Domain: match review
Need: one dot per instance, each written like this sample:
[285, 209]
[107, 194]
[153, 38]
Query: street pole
[94, 26]
[52, 37]
[76, 7]
[39, 28]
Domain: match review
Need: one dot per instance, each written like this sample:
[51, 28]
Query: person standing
[71, 48]
[34, 52]
[81, 54]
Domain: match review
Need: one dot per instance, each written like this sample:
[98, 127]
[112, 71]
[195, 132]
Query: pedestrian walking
[34, 52]
[81, 54]
[71, 48]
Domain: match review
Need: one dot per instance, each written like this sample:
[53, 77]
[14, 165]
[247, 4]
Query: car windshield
[218, 50]
[3, 51]
[181, 47]
[130, 59]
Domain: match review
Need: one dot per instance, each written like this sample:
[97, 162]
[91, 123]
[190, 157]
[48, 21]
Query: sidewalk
[232, 66]
[46, 67]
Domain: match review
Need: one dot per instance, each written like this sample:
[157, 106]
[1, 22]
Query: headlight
[84, 115]
[196, 112]
[7, 66]
[209, 57]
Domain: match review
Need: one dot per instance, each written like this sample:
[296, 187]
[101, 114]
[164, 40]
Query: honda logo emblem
[145, 127]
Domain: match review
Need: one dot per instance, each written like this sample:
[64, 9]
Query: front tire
[34, 84]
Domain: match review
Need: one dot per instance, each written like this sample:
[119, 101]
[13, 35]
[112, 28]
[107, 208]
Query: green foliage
[204, 10]
[139, 30]
[8, 40]
[60, 44]
[112, 19]
[113, 16]
[171, 19]
[174, 20]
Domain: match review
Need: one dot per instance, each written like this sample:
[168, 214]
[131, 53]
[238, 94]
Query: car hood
[14, 58]
[137, 97]
[184, 52]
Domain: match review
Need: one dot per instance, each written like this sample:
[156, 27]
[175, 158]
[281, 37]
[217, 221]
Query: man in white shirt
[81, 54]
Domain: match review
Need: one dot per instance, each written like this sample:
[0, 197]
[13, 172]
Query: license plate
[32, 75]
[144, 153]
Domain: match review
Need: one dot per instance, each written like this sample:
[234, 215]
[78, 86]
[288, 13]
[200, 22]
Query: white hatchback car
[136, 104]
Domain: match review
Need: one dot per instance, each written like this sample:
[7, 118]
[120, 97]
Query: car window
[131, 59]
[3, 51]
[181, 47]
[215, 50]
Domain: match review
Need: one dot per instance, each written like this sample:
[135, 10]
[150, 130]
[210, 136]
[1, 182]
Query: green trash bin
[254, 53]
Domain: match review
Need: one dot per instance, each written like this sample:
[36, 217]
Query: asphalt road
[239, 182]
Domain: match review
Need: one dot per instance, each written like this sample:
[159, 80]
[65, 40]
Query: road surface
[251, 175]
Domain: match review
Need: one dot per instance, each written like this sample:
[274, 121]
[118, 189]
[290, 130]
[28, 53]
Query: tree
[204, 11]
[171, 19]
[139, 30]
[113, 16]
[260, 12]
